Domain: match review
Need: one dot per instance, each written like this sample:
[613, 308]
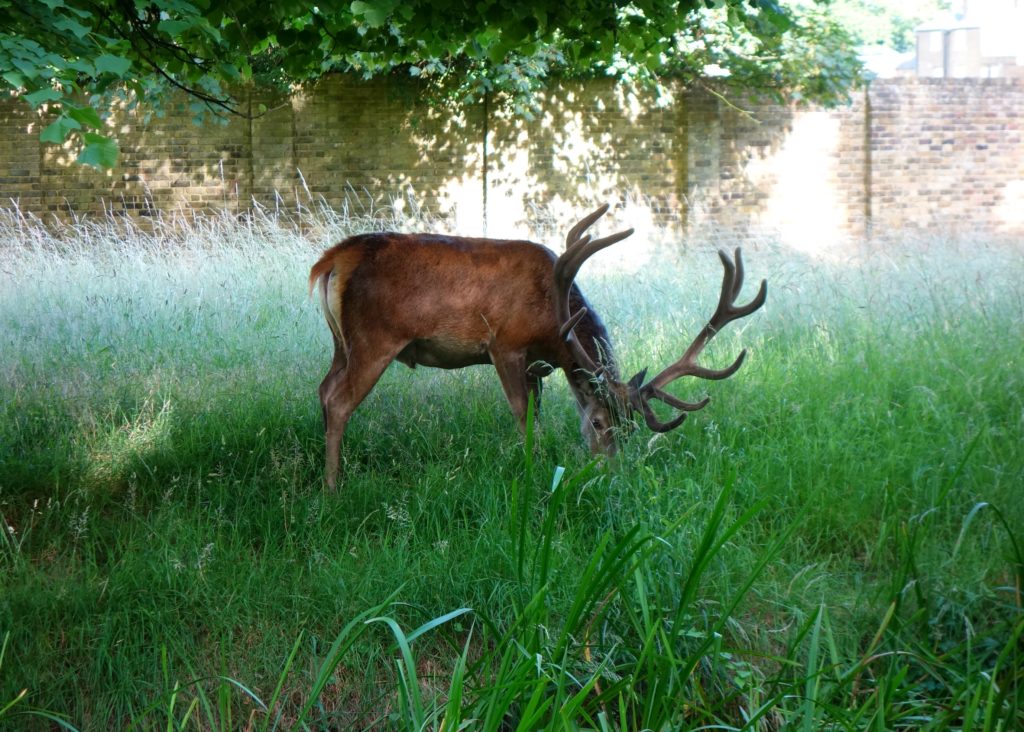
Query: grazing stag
[450, 302]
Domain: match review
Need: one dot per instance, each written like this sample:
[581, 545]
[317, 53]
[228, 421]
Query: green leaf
[174, 28]
[108, 63]
[178, 6]
[83, 66]
[86, 116]
[28, 70]
[211, 31]
[99, 151]
[776, 15]
[80, 12]
[57, 131]
[15, 79]
[375, 13]
[230, 71]
[67, 24]
[496, 53]
[43, 95]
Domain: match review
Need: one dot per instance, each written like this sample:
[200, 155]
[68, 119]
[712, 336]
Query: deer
[450, 301]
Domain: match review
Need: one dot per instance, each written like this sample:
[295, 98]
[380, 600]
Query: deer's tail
[330, 276]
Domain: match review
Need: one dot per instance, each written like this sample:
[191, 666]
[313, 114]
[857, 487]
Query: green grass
[834, 542]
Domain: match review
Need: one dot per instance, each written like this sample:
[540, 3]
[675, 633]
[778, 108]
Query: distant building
[985, 38]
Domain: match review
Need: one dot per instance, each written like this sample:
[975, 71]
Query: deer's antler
[640, 394]
[578, 248]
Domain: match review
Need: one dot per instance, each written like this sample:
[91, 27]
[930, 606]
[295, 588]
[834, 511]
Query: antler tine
[568, 325]
[583, 225]
[581, 356]
[642, 405]
[568, 265]
[579, 247]
[678, 403]
[657, 425]
[726, 305]
[727, 311]
[737, 282]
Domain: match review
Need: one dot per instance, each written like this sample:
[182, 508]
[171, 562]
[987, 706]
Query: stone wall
[922, 153]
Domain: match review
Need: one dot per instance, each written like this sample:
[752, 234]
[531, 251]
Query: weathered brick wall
[19, 156]
[929, 154]
[166, 164]
[948, 155]
[377, 138]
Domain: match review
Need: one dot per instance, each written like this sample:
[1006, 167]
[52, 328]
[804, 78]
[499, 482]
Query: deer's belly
[443, 353]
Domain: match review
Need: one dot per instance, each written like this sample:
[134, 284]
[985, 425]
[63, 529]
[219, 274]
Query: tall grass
[835, 541]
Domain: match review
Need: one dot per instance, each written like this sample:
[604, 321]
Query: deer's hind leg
[343, 389]
[338, 364]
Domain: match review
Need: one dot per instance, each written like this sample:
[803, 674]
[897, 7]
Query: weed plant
[833, 543]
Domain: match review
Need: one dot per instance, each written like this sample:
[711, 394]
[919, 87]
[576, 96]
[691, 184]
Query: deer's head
[605, 401]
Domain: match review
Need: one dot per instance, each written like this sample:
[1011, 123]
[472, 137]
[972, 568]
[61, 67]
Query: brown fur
[449, 298]
[446, 302]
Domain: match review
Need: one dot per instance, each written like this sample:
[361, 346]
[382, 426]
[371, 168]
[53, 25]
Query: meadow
[835, 542]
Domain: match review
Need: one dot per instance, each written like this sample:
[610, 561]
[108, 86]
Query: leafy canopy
[78, 56]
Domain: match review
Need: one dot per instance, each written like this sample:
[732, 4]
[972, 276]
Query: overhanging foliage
[78, 56]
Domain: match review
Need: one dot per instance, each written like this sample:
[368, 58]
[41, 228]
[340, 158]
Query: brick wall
[20, 156]
[948, 155]
[924, 154]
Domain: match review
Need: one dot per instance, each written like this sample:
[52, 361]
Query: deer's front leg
[511, 368]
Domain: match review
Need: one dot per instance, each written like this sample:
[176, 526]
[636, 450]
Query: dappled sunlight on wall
[592, 143]
[577, 155]
[462, 199]
[509, 182]
[804, 205]
[928, 154]
[444, 166]
[1010, 210]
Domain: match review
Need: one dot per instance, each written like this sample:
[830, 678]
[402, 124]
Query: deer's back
[448, 296]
